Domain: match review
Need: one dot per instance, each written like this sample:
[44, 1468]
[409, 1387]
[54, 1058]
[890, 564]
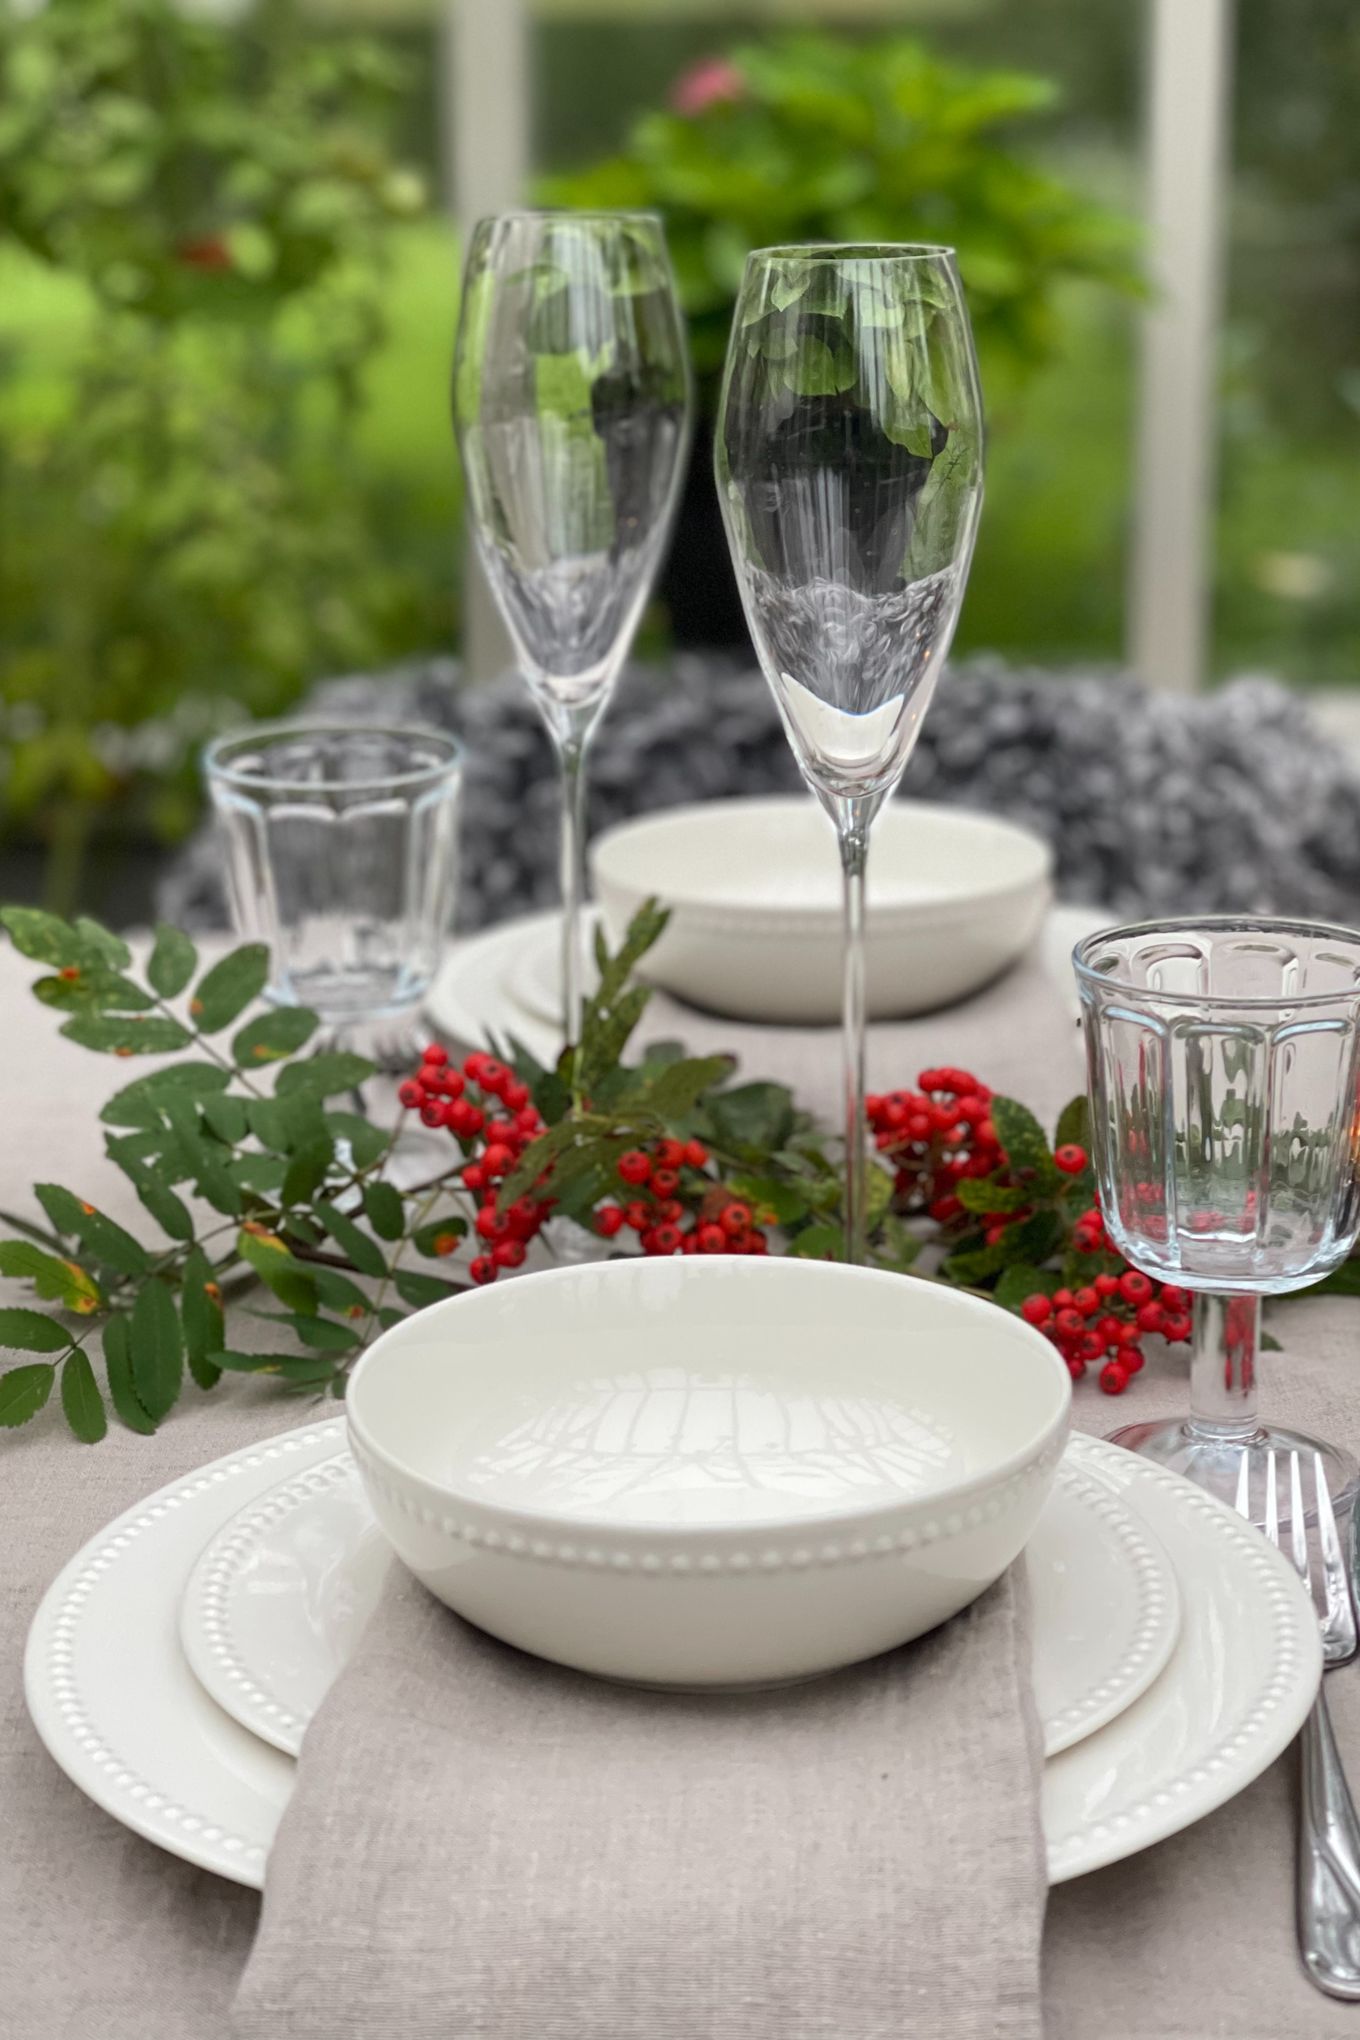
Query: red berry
[1173, 1299]
[497, 1159]
[1135, 1287]
[1151, 1317]
[515, 1096]
[1110, 1328]
[508, 1253]
[434, 1113]
[411, 1094]
[1128, 1335]
[1062, 1299]
[609, 1220]
[971, 1109]
[1076, 1368]
[465, 1119]
[524, 1218]
[1114, 1377]
[1090, 1346]
[710, 1239]
[663, 1239]
[1071, 1159]
[735, 1217]
[756, 1243]
[490, 1225]
[1177, 1328]
[945, 1209]
[527, 1121]
[635, 1167]
[670, 1154]
[474, 1176]
[435, 1056]
[1086, 1300]
[495, 1076]
[986, 1134]
[1106, 1285]
[1036, 1309]
[696, 1154]
[918, 1126]
[474, 1064]
[637, 1215]
[665, 1182]
[448, 1083]
[670, 1211]
[483, 1269]
[1071, 1323]
[994, 1235]
[1131, 1359]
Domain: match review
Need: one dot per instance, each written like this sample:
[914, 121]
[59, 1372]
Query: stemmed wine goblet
[1223, 1059]
[571, 400]
[849, 467]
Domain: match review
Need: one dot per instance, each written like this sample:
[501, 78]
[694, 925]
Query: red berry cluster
[493, 1139]
[1108, 1316]
[936, 1136]
[675, 1209]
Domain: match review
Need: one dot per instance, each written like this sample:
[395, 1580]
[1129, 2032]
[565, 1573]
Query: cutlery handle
[1329, 1863]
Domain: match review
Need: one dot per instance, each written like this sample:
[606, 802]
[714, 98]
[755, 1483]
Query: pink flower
[706, 84]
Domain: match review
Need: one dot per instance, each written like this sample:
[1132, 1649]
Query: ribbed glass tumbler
[1223, 1057]
[341, 854]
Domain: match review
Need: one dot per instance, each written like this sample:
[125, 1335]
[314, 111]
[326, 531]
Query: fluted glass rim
[854, 251]
[220, 771]
[1219, 924]
[628, 215]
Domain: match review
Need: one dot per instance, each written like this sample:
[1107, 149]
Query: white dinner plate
[113, 1698]
[278, 1600]
[505, 980]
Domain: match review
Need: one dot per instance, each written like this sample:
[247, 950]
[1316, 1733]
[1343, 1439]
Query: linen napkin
[483, 1846]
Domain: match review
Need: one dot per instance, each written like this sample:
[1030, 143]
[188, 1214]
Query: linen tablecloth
[100, 1933]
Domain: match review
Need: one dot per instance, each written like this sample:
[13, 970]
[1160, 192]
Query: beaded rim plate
[114, 1700]
[278, 1599]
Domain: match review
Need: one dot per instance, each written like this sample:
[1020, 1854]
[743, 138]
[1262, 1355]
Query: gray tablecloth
[100, 1933]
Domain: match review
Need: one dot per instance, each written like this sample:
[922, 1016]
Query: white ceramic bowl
[708, 1472]
[754, 890]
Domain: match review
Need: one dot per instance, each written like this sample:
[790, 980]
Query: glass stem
[572, 735]
[854, 841]
[1227, 1336]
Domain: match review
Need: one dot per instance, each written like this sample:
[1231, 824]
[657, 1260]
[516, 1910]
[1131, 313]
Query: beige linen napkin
[486, 1847]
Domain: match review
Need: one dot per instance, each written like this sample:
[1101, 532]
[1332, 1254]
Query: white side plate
[279, 1598]
[114, 1700]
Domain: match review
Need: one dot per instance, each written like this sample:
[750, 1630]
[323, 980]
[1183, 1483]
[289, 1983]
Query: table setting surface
[1190, 1938]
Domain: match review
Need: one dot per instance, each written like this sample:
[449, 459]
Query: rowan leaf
[118, 1367]
[157, 1349]
[274, 1035]
[30, 1331]
[112, 1035]
[365, 1253]
[223, 993]
[81, 1401]
[23, 1391]
[172, 962]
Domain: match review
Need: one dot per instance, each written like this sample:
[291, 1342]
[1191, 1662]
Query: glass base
[1214, 1462]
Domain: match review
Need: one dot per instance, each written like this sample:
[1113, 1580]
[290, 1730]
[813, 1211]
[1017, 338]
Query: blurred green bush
[184, 532]
[807, 137]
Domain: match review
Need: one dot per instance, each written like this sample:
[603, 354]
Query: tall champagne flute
[849, 467]
[571, 397]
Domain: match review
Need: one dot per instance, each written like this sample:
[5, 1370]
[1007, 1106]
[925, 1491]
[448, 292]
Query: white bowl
[708, 1472]
[754, 890]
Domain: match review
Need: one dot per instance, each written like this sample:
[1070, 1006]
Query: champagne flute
[571, 403]
[849, 466]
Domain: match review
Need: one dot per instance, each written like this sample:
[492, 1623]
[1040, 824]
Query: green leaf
[223, 993]
[424, 1237]
[288, 1278]
[674, 1091]
[819, 1243]
[101, 1237]
[337, 1292]
[23, 1391]
[170, 1212]
[365, 1253]
[226, 1117]
[94, 991]
[46, 938]
[785, 1200]
[1074, 1124]
[1022, 1279]
[324, 1334]
[788, 288]
[384, 1210]
[113, 1036]
[1270, 1344]
[28, 1331]
[325, 1074]
[1031, 1239]
[201, 1316]
[201, 1159]
[157, 1349]
[756, 1116]
[987, 1194]
[81, 1401]
[896, 1248]
[366, 1143]
[274, 1035]
[56, 1281]
[310, 1369]
[419, 1290]
[307, 1170]
[1022, 1137]
[172, 962]
[138, 1102]
[818, 371]
[118, 1367]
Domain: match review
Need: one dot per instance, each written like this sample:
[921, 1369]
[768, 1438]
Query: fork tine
[1341, 1633]
[1298, 1525]
[1242, 1500]
[1272, 1501]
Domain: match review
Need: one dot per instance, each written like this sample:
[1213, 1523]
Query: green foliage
[819, 139]
[188, 524]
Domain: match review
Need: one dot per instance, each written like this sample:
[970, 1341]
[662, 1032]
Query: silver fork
[1329, 1831]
